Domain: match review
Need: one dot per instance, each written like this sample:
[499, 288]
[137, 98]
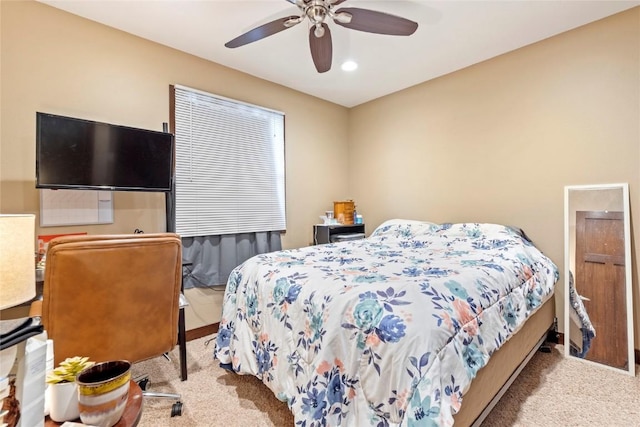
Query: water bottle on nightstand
[357, 218]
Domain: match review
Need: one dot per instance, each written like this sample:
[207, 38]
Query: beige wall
[56, 62]
[498, 141]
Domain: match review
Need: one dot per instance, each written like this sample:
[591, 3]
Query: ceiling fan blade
[371, 21]
[262, 31]
[321, 49]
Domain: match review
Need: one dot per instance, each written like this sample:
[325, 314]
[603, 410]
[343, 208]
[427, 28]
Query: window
[229, 165]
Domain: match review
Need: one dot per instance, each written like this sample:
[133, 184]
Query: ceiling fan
[317, 11]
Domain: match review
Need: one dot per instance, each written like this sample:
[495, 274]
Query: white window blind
[229, 166]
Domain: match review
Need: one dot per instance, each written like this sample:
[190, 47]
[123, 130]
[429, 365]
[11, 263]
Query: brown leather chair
[112, 297]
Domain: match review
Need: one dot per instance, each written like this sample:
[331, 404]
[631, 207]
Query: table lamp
[17, 272]
[17, 259]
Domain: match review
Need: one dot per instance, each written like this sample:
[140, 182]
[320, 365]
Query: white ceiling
[451, 35]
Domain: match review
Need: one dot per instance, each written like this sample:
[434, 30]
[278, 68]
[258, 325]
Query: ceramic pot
[64, 402]
[102, 392]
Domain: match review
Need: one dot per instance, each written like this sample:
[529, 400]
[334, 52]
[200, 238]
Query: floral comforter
[385, 331]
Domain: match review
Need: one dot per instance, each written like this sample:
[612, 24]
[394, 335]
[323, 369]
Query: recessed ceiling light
[349, 65]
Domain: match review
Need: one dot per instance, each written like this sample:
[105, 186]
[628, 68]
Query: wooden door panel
[604, 235]
[600, 277]
[604, 308]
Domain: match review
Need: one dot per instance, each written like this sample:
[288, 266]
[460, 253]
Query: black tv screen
[74, 153]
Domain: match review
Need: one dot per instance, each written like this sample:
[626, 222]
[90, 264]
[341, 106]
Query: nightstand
[336, 233]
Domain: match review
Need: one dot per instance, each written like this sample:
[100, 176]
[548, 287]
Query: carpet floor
[551, 391]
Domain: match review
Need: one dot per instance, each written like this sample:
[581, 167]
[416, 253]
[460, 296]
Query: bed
[392, 329]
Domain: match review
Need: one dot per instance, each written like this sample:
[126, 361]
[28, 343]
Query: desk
[132, 412]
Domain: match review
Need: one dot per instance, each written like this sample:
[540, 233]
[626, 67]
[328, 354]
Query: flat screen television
[75, 153]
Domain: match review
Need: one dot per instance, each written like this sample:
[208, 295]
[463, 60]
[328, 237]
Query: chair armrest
[36, 309]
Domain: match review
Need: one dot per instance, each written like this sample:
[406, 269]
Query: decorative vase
[103, 390]
[64, 402]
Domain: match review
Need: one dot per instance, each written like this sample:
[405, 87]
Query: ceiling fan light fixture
[316, 13]
[343, 17]
[293, 21]
[318, 31]
[349, 65]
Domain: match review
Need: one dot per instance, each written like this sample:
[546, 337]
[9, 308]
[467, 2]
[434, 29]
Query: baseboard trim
[203, 331]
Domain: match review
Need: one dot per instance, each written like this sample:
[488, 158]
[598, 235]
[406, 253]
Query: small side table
[132, 412]
[330, 233]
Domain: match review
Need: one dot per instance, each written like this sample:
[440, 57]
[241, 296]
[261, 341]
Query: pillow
[520, 232]
[403, 228]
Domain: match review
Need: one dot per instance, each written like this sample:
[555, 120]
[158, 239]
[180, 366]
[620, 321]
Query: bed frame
[503, 367]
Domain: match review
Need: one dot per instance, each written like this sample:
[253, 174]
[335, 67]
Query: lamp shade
[17, 259]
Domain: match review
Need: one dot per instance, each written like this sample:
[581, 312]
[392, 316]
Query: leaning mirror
[598, 315]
